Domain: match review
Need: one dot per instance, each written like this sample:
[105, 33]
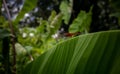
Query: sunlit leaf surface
[97, 53]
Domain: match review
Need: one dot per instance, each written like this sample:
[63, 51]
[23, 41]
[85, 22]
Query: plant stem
[13, 38]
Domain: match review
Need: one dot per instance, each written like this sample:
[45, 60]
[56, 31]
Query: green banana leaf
[95, 53]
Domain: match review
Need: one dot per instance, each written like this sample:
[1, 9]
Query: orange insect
[71, 34]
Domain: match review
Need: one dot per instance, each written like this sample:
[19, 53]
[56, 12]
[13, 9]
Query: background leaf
[4, 33]
[81, 23]
[66, 10]
[28, 6]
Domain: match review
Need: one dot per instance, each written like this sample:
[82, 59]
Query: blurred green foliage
[32, 42]
[115, 4]
[82, 22]
[28, 6]
[66, 10]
